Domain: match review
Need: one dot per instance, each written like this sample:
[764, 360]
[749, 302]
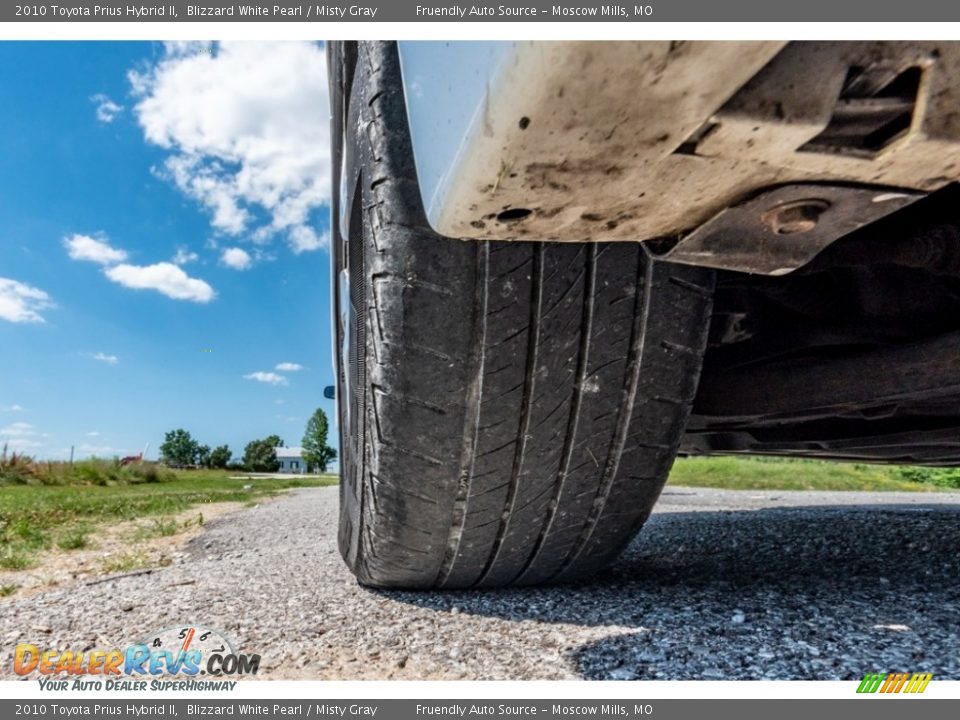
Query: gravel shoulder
[720, 585]
[135, 543]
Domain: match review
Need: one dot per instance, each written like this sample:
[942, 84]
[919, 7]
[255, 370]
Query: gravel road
[720, 585]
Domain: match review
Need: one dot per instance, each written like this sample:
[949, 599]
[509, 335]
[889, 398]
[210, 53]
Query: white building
[291, 460]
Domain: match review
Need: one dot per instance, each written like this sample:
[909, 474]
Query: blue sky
[163, 244]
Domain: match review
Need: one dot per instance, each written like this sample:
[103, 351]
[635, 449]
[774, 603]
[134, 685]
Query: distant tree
[203, 456]
[179, 448]
[317, 454]
[220, 457]
[261, 455]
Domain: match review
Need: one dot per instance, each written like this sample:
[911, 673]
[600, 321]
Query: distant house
[291, 460]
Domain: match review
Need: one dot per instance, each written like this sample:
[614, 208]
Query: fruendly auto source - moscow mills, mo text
[463, 11]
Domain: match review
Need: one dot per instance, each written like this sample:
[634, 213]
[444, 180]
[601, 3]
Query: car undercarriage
[854, 356]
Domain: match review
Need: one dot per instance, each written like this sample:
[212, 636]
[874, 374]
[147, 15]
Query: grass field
[35, 516]
[53, 505]
[757, 473]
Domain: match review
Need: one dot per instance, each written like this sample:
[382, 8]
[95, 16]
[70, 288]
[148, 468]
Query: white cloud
[11, 408]
[18, 429]
[20, 436]
[245, 125]
[288, 367]
[180, 48]
[107, 109]
[184, 257]
[266, 377]
[165, 278]
[21, 444]
[84, 247]
[236, 258]
[104, 358]
[88, 449]
[305, 239]
[93, 433]
[22, 303]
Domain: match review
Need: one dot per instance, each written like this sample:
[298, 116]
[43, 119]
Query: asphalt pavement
[719, 585]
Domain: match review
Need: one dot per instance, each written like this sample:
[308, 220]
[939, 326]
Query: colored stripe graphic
[918, 683]
[894, 682]
[870, 683]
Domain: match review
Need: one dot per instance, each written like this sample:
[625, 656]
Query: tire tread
[525, 400]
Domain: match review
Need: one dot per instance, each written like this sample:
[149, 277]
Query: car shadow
[811, 592]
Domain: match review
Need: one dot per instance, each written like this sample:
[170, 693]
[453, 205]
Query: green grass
[125, 562]
[756, 473]
[36, 515]
[16, 469]
[163, 527]
[14, 559]
[74, 538]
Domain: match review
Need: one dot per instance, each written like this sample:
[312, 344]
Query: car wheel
[510, 410]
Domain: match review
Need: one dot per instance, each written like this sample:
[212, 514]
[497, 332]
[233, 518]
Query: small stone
[738, 617]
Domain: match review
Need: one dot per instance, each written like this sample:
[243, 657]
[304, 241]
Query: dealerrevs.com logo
[170, 659]
[894, 683]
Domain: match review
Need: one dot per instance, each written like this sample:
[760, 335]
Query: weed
[125, 562]
[75, 538]
[160, 527]
[941, 477]
[10, 559]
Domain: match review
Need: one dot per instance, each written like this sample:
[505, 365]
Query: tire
[510, 410]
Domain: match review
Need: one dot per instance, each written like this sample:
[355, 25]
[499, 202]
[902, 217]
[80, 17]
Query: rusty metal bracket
[782, 229]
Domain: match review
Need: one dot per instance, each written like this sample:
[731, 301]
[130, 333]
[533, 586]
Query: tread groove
[512, 270]
[691, 286]
[401, 489]
[609, 476]
[468, 454]
[409, 399]
[566, 454]
[533, 347]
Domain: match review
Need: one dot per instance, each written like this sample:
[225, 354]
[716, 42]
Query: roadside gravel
[720, 585]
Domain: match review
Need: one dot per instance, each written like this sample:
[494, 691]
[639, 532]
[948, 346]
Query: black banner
[644, 11]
